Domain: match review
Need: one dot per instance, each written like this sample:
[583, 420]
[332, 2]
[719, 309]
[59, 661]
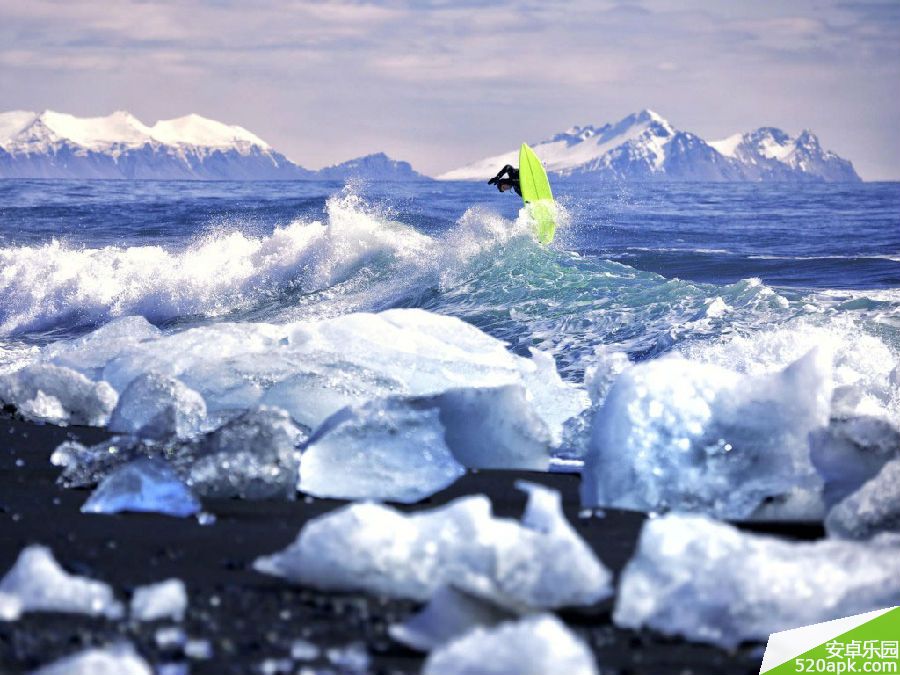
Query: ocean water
[638, 268]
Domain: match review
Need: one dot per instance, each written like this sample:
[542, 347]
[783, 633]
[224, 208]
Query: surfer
[507, 179]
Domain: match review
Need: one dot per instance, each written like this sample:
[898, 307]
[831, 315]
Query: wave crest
[59, 285]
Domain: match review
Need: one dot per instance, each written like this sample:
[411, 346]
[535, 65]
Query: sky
[441, 83]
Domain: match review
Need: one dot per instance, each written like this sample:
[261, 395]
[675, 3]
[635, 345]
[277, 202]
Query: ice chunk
[405, 449]
[873, 508]
[165, 600]
[448, 615]
[90, 353]
[86, 466]
[156, 406]
[538, 563]
[116, 660]
[356, 356]
[383, 451]
[858, 458]
[148, 485]
[674, 434]
[253, 456]
[282, 666]
[198, 649]
[304, 650]
[493, 428]
[351, 658]
[46, 393]
[554, 400]
[710, 582]
[170, 638]
[41, 585]
[535, 645]
[10, 607]
[313, 369]
[851, 452]
[603, 371]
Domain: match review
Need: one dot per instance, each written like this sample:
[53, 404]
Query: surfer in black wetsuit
[507, 179]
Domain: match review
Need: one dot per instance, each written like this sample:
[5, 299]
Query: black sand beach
[249, 618]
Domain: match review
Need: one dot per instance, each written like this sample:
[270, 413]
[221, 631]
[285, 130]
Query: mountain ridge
[119, 146]
[645, 146]
[56, 145]
[640, 146]
[368, 165]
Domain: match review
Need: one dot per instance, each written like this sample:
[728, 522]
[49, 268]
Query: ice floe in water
[383, 450]
[448, 615]
[155, 406]
[710, 582]
[252, 456]
[40, 585]
[58, 395]
[540, 562]
[119, 659]
[145, 485]
[675, 434]
[164, 600]
[535, 645]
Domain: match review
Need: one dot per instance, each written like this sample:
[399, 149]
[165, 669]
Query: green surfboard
[536, 191]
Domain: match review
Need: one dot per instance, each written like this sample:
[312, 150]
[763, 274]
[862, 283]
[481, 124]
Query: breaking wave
[357, 258]
[54, 284]
[486, 269]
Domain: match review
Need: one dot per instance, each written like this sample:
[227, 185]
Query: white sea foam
[357, 258]
[59, 284]
[863, 363]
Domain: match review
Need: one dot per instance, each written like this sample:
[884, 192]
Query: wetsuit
[507, 179]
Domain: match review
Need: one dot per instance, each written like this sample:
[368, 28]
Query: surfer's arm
[506, 170]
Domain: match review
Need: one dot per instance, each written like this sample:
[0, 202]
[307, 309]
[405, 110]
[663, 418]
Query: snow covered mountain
[770, 154]
[378, 166]
[644, 146]
[57, 145]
